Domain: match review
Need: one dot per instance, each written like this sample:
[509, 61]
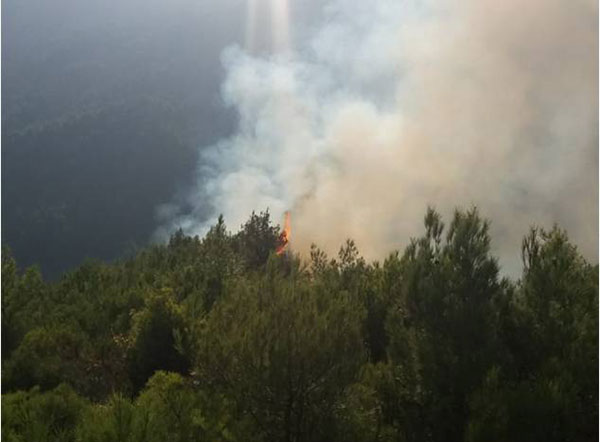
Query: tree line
[220, 339]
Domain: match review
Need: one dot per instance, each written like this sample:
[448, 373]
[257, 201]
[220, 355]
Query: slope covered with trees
[220, 339]
[104, 110]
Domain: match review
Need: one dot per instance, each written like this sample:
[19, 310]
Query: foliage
[153, 339]
[256, 240]
[117, 420]
[283, 351]
[220, 339]
[47, 357]
[549, 391]
[35, 416]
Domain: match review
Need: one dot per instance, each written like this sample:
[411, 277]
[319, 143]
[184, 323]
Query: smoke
[393, 106]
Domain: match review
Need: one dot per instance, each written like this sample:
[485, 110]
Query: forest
[221, 339]
[103, 116]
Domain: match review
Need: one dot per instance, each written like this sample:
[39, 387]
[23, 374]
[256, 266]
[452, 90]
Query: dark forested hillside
[220, 339]
[103, 113]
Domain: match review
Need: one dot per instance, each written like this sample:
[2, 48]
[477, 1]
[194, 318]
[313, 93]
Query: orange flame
[286, 234]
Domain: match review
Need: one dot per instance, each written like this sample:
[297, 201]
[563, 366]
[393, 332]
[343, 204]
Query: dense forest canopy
[221, 339]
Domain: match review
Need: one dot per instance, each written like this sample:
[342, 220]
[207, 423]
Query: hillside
[221, 339]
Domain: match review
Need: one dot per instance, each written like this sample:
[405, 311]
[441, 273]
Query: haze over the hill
[104, 108]
[123, 123]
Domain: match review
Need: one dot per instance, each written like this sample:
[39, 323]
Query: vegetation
[220, 339]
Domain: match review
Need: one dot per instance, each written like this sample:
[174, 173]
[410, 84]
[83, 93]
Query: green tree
[549, 391]
[219, 262]
[11, 327]
[172, 408]
[153, 339]
[442, 331]
[46, 357]
[283, 351]
[177, 411]
[116, 420]
[42, 417]
[24, 302]
[256, 240]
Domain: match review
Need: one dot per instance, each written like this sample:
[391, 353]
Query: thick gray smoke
[391, 106]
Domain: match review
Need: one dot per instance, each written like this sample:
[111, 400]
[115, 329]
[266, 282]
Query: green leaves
[256, 240]
[35, 416]
[221, 339]
[46, 357]
[443, 328]
[153, 339]
[283, 352]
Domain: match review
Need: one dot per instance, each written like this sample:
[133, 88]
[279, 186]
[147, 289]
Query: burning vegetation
[284, 238]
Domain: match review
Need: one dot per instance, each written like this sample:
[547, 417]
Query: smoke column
[279, 12]
[391, 106]
[251, 19]
[280, 18]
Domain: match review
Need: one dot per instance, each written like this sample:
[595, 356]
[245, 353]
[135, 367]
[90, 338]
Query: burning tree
[285, 237]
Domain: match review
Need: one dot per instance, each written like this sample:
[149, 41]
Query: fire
[286, 234]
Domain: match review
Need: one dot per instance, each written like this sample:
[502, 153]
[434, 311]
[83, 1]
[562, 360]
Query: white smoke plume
[393, 106]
